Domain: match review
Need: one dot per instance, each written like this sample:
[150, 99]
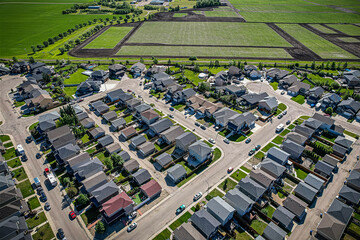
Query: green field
[347, 29]
[109, 38]
[316, 43]
[283, 8]
[322, 28]
[76, 77]
[209, 33]
[220, 14]
[349, 39]
[203, 51]
[180, 14]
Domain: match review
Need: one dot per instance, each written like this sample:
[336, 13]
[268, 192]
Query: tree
[197, 207]
[15, 59]
[33, 49]
[109, 164]
[62, 50]
[31, 60]
[141, 60]
[169, 62]
[82, 199]
[329, 110]
[225, 184]
[66, 181]
[313, 66]
[155, 61]
[117, 160]
[100, 227]
[46, 43]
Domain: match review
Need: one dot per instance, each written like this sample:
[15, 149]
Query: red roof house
[117, 206]
[151, 188]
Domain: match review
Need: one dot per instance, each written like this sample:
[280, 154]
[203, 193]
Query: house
[87, 169]
[117, 124]
[87, 123]
[41, 100]
[220, 209]
[315, 182]
[128, 132]
[330, 228]
[162, 85]
[4, 71]
[275, 74]
[117, 71]
[352, 78]
[141, 108]
[329, 100]
[160, 76]
[240, 122]
[113, 148]
[340, 211]
[251, 188]
[298, 88]
[222, 116]
[305, 192]
[324, 169]
[221, 78]
[249, 68]
[93, 182]
[159, 126]
[3, 166]
[239, 201]
[54, 115]
[327, 122]
[97, 133]
[330, 160]
[124, 155]
[180, 96]
[137, 69]
[46, 126]
[149, 116]
[251, 99]
[287, 81]
[137, 141]
[205, 223]
[100, 108]
[176, 173]
[296, 206]
[131, 166]
[116, 207]
[151, 189]
[268, 104]
[20, 67]
[304, 131]
[296, 138]
[198, 153]
[254, 75]
[99, 75]
[14, 227]
[82, 115]
[348, 108]
[174, 93]
[272, 168]
[114, 95]
[237, 91]
[312, 123]
[35, 65]
[284, 217]
[274, 232]
[350, 195]
[234, 72]
[146, 149]
[110, 116]
[62, 141]
[278, 155]
[6, 181]
[58, 133]
[123, 98]
[353, 180]
[262, 178]
[66, 152]
[103, 193]
[12, 204]
[163, 161]
[314, 95]
[83, 157]
[344, 142]
[132, 103]
[154, 70]
[186, 231]
[141, 176]
[295, 150]
[339, 151]
[87, 87]
[185, 140]
[169, 136]
[106, 140]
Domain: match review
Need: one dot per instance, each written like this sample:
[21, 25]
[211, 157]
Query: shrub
[100, 227]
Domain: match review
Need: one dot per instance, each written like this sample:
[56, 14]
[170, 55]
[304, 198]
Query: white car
[212, 140]
[280, 127]
[133, 214]
[198, 196]
[131, 227]
[226, 141]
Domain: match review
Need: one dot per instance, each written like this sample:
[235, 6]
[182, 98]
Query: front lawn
[217, 155]
[32, 126]
[239, 137]
[184, 218]
[85, 138]
[164, 235]
[242, 235]
[260, 155]
[267, 147]
[20, 174]
[9, 144]
[274, 85]
[9, 154]
[230, 184]
[129, 118]
[238, 175]
[282, 107]
[36, 220]
[258, 226]
[268, 211]
[283, 133]
[351, 134]
[245, 169]
[4, 138]
[278, 140]
[180, 107]
[33, 203]
[44, 233]
[300, 99]
[214, 193]
[19, 104]
[300, 173]
[14, 163]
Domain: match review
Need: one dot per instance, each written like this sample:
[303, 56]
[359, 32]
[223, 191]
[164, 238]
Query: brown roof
[40, 98]
[121, 200]
[128, 131]
[149, 114]
[151, 188]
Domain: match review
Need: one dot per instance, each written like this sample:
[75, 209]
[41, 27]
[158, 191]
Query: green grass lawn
[354, 227]
[180, 14]
[159, 112]
[109, 38]
[44, 233]
[91, 150]
[239, 137]
[217, 155]
[19, 174]
[25, 188]
[229, 185]
[36, 220]
[33, 203]
[85, 138]
[9, 154]
[180, 107]
[19, 104]
[300, 99]
[300, 173]
[322, 28]
[278, 140]
[90, 215]
[259, 155]
[129, 118]
[351, 134]
[221, 14]
[164, 235]
[76, 78]
[34, 125]
[282, 107]
[292, 126]
[242, 235]
[70, 91]
[214, 193]
[14, 163]
[183, 163]
[347, 29]
[274, 85]
[258, 226]
[9, 144]
[267, 147]
[4, 138]
[283, 133]
[184, 218]
[268, 211]
[245, 169]
[238, 175]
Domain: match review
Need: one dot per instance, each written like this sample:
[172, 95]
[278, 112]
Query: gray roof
[262, 177]
[82, 115]
[97, 131]
[110, 115]
[85, 156]
[296, 138]
[67, 151]
[77, 109]
[161, 125]
[331, 97]
[94, 181]
[118, 122]
[164, 159]
[349, 194]
[186, 139]
[330, 160]
[253, 98]
[353, 179]
[6, 181]
[88, 168]
[200, 148]
[240, 119]
[306, 191]
[223, 115]
[295, 205]
[271, 102]
[316, 92]
[113, 148]
[139, 66]
[106, 140]
[251, 188]
[274, 232]
[340, 211]
[304, 130]
[63, 140]
[104, 191]
[133, 102]
[140, 139]
[324, 119]
[142, 176]
[189, 92]
[294, 147]
[131, 165]
[172, 133]
[278, 155]
[49, 116]
[330, 227]
[219, 209]
[205, 222]
[313, 123]
[314, 181]
[47, 124]
[238, 200]
[339, 149]
[115, 94]
[124, 155]
[342, 141]
[272, 167]
[187, 232]
[177, 171]
[58, 132]
[147, 147]
[235, 88]
[142, 107]
[284, 216]
[324, 168]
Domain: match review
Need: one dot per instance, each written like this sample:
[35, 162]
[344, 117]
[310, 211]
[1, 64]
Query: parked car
[38, 155]
[217, 128]
[257, 147]
[24, 158]
[284, 112]
[280, 116]
[282, 92]
[248, 140]
[131, 227]
[61, 234]
[43, 196]
[280, 127]
[171, 108]
[211, 140]
[288, 122]
[197, 196]
[226, 141]
[133, 214]
[72, 215]
[230, 169]
[252, 151]
[39, 190]
[171, 116]
[47, 171]
[129, 90]
[197, 124]
[29, 139]
[203, 127]
[180, 209]
[47, 206]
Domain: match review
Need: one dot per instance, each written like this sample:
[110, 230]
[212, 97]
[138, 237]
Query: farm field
[347, 29]
[180, 14]
[109, 38]
[208, 33]
[315, 43]
[220, 14]
[283, 8]
[322, 28]
[349, 39]
[186, 51]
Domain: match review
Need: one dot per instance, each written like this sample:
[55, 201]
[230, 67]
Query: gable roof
[97, 131]
[330, 160]
[295, 205]
[271, 102]
[120, 201]
[200, 148]
[67, 151]
[238, 200]
[110, 115]
[342, 141]
[131, 165]
[297, 86]
[313, 123]
[261, 177]
[340, 211]
[187, 232]
[304, 130]
[177, 171]
[142, 176]
[161, 125]
[94, 181]
[316, 92]
[223, 115]
[294, 147]
[82, 115]
[296, 138]
[339, 149]
[306, 191]
[283, 215]
[164, 159]
[253, 98]
[219, 209]
[314, 181]
[115, 94]
[205, 222]
[118, 122]
[140, 139]
[85, 156]
[353, 179]
[187, 138]
[104, 191]
[106, 140]
[172, 133]
[278, 155]
[49, 116]
[147, 147]
[240, 119]
[128, 131]
[142, 107]
[324, 119]
[124, 155]
[330, 227]
[251, 188]
[324, 168]
[274, 232]
[88, 168]
[58, 132]
[151, 188]
[272, 167]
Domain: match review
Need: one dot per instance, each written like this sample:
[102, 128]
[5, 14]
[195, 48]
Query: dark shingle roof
[342, 141]
[295, 205]
[205, 222]
[142, 176]
[340, 211]
[272, 167]
[314, 181]
[284, 216]
[324, 168]
[278, 155]
[251, 188]
[106, 140]
[330, 227]
[349, 194]
[164, 159]
[306, 191]
[274, 232]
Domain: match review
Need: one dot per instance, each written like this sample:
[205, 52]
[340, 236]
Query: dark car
[61, 233]
[280, 116]
[171, 108]
[248, 140]
[203, 127]
[288, 122]
[197, 124]
[43, 197]
[29, 139]
[24, 158]
[257, 147]
[38, 155]
[39, 190]
[47, 206]
[252, 151]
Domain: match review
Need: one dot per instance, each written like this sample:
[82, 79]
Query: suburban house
[327, 122]
[240, 122]
[352, 78]
[58, 133]
[329, 100]
[123, 98]
[146, 149]
[97, 133]
[340, 211]
[99, 75]
[186, 231]
[205, 223]
[278, 155]
[104, 193]
[275, 74]
[141, 108]
[339, 150]
[117, 71]
[287, 81]
[131, 166]
[106, 140]
[124, 155]
[304, 130]
[223, 115]
[114, 95]
[20, 67]
[180, 96]
[35, 65]
[348, 108]
[116, 207]
[113, 148]
[41, 99]
[330, 160]
[353, 180]
[273, 168]
[268, 104]
[305, 192]
[163, 161]
[169, 136]
[63, 140]
[284, 217]
[251, 188]
[315, 182]
[349, 195]
[254, 75]
[314, 95]
[137, 141]
[132, 103]
[95, 181]
[298, 88]
[239, 201]
[324, 169]
[66, 152]
[83, 157]
[330, 227]
[109, 116]
[100, 108]
[295, 150]
[174, 93]
[199, 152]
[87, 87]
[274, 232]
[235, 72]
[262, 178]
[344, 142]
[128, 132]
[159, 126]
[296, 206]
[220, 209]
[251, 99]
[82, 115]
[154, 70]
[176, 173]
[141, 176]
[313, 124]
[46, 126]
[237, 91]
[4, 70]
[118, 124]
[221, 78]
[162, 85]
[151, 189]
[149, 116]
[184, 141]
[137, 69]
[87, 169]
